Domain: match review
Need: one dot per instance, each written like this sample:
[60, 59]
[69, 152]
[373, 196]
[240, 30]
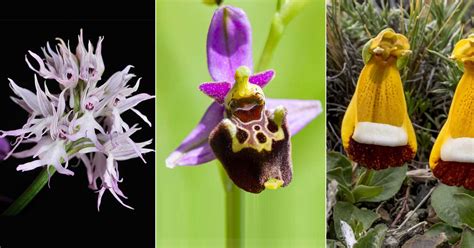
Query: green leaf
[419, 241]
[364, 192]
[339, 168]
[373, 238]
[351, 214]
[366, 55]
[465, 205]
[390, 180]
[467, 239]
[453, 234]
[346, 193]
[331, 243]
[402, 62]
[445, 201]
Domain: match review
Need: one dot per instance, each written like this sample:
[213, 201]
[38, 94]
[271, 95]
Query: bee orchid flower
[452, 156]
[247, 132]
[376, 130]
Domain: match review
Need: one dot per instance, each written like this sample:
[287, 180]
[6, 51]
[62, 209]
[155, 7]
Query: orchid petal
[142, 116]
[43, 103]
[133, 101]
[99, 198]
[198, 155]
[29, 166]
[195, 148]
[63, 170]
[114, 193]
[4, 148]
[26, 95]
[22, 104]
[91, 64]
[229, 43]
[300, 112]
[34, 150]
[262, 78]
[216, 91]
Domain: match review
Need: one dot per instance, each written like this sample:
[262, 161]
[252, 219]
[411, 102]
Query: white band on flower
[458, 150]
[371, 133]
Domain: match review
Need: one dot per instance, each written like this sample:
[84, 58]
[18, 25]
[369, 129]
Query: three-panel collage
[237, 124]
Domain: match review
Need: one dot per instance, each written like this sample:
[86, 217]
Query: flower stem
[285, 13]
[235, 212]
[35, 187]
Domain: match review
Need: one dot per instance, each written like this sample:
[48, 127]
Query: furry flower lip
[247, 132]
[452, 156]
[84, 121]
[376, 130]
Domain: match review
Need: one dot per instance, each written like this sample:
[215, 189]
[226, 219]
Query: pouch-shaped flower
[452, 156]
[376, 129]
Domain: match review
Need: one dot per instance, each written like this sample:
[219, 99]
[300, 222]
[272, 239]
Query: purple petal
[300, 112]
[229, 43]
[262, 78]
[195, 148]
[4, 148]
[217, 90]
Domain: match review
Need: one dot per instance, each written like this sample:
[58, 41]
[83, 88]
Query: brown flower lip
[249, 168]
[455, 173]
[379, 157]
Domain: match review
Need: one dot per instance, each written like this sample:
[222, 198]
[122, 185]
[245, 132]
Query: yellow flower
[452, 156]
[376, 130]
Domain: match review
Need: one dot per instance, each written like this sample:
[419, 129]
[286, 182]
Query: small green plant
[454, 206]
[355, 188]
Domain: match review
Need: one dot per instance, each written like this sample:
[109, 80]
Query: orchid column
[248, 133]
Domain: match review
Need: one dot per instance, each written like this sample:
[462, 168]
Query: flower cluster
[376, 130]
[83, 121]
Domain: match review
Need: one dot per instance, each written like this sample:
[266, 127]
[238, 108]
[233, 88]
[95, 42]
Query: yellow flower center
[388, 43]
[464, 51]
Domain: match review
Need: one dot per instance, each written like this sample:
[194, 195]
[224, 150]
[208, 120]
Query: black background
[65, 215]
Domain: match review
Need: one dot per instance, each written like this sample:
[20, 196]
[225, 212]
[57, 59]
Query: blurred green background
[190, 200]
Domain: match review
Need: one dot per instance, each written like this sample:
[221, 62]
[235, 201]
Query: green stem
[35, 187]
[281, 19]
[276, 31]
[235, 212]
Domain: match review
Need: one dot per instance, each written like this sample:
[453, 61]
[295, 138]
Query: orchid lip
[195, 149]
